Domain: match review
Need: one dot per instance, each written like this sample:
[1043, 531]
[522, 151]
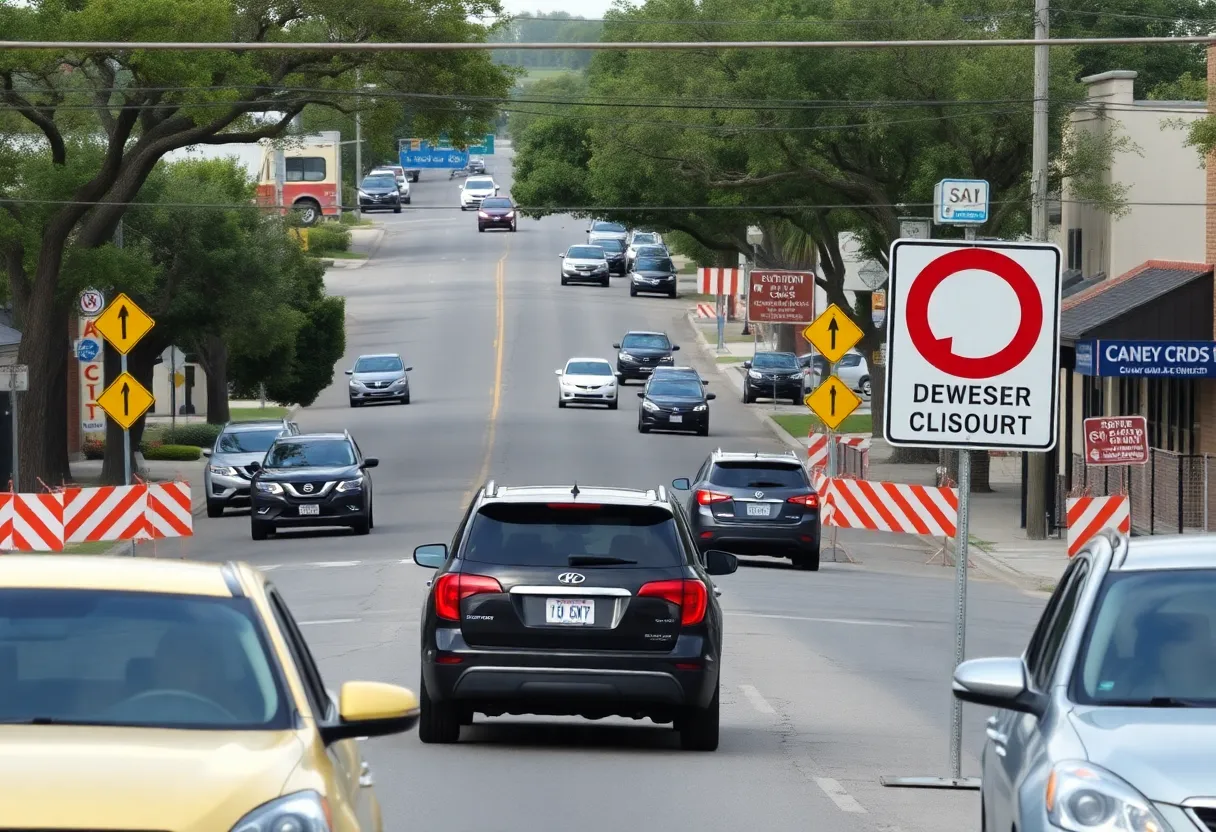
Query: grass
[982, 545]
[91, 547]
[244, 414]
[731, 359]
[799, 425]
[355, 221]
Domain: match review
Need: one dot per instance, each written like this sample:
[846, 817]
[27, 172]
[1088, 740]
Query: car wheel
[614, 404]
[747, 397]
[363, 525]
[405, 399]
[439, 722]
[865, 387]
[397, 209]
[215, 509]
[673, 294]
[698, 727]
[408, 200]
[795, 400]
[260, 529]
[481, 228]
[561, 402]
[642, 428]
[703, 430]
[354, 403]
[807, 561]
[633, 293]
[606, 282]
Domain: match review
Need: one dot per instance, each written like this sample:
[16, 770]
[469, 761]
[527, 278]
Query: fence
[1170, 494]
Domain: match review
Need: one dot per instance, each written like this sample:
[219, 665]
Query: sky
[579, 8]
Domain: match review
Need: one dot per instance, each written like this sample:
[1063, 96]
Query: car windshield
[645, 342]
[378, 364]
[775, 361]
[137, 659]
[588, 368]
[757, 475]
[585, 253]
[317, 453]
[676, 388]
[247, 441]
[645, 239]
[611, 244]
[538, 534]
[1150, 642]
[479, 184]
[654, 264]
[496, 202]
[379, 182]
[608, 228]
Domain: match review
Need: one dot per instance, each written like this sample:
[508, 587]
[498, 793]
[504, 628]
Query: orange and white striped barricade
[1086, 516]
[110, 512]
[169, 510]
[817, 448]
[37, 522]
[894, 507]
[6, 521]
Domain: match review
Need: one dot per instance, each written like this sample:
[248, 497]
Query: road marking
[334, 564]
[844, 801]
[757, 699]
[321, 621]
[856, 621]
[500, 274]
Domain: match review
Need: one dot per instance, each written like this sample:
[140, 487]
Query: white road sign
[973, 334]
[90, 303]
[960, 202]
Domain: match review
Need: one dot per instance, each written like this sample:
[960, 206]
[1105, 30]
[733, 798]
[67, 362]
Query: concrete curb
[991, 565]
[199, 506]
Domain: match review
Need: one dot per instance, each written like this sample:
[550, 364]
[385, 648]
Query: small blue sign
[433, 158]
[486, 148]
[87, 350]
[960, 202]
[1177, 359]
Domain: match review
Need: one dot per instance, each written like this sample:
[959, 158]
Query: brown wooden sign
[781, 297]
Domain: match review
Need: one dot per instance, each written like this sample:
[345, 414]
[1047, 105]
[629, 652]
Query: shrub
[328, 237]
[198, 434]
[94, 448]
[349, 217]
[172, 453]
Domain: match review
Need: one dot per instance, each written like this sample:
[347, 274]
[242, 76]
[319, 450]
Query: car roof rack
[491, 488]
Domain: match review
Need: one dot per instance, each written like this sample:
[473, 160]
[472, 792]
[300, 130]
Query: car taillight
[454, 587]
[811, 500]
[707, 497]
[689, 595]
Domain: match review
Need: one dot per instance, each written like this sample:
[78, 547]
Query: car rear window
[558, 535]
[758, 475]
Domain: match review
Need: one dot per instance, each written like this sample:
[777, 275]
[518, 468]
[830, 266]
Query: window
[1091, 397]
[324, 453]
[589, 368]
[1053, 637]
[305, 169]
[850, 360]
[638, 341]
[136, 659]
[310, 675]
[247, 441]
[608, 228]
[379, 183]
[675, 389]
[758, 475]
[496, 202]
[585, 253]
[1075, 251]
[379, 364]
[1171, 414]
[539, 534]
[479, 184]
[1034, 650]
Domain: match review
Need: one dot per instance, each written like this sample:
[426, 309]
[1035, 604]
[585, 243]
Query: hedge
[172, 453]
[198, 434]
[328, 237]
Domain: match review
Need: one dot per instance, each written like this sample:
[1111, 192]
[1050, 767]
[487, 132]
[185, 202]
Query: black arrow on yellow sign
[833, 328]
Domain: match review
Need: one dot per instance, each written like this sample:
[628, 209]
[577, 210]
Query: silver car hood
[389, 376]
[583, 261]
[1165, 753]
[236, 460]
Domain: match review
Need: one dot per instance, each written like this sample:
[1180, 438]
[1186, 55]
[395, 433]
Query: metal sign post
[833, 334]
[1004, 398]
[721, 323]
[16, 380]
[123, 325]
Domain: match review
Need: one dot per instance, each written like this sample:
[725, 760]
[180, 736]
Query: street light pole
[755, 236]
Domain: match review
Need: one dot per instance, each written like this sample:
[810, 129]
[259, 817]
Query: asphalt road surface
[830, 679]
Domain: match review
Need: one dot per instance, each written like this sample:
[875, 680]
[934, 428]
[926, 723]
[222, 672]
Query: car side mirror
[561, 256]
[254, 466]
[557, 372]
[432, 555]
[681, 484]
[349, 372]
[718, 562]
[997, 683]
[705, 382]
[709, 397]
[641, 395]
[747, 365]
[206, 452]
[409, 369]
[616, 346]
[675, 347]
[371, 462]
[371, 709]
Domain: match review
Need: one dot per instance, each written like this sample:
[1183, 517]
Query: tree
[551, 27]
[141, 105]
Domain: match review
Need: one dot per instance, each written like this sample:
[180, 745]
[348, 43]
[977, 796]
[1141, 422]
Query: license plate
[570, 611]
[675, 420]
[310, 510]
[758, 509]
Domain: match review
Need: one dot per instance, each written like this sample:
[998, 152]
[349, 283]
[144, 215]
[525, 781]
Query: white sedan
[474, 190]
[587, 381]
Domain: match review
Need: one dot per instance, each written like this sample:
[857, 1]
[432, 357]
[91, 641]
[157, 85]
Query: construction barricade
[51, 520]
[1086, 516]
[853, 454]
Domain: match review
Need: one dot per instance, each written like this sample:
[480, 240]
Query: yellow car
[148, 694]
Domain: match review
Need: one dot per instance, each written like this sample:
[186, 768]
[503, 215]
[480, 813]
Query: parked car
[853, 370]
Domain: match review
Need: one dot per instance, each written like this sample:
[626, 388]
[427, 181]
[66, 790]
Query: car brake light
[454, 587]
[707, 497]
[689, 595]
[811, 500]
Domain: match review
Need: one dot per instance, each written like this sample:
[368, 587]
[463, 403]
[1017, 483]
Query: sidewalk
[997, 545]
[363, 240]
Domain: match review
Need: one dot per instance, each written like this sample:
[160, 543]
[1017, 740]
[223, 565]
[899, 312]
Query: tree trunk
[43, 411]
[1037, 474]
[981, 464]
[787, 340]
[213, 357]
[140, 364]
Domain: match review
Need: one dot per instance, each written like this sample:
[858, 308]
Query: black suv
[638, 353]
[313, 479]
[653, 274]
[614, 251]
[755, 504]
[773, 375]
[563, 601]
[674, 402]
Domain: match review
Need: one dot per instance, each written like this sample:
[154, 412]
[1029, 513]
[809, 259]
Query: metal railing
[1170, 494]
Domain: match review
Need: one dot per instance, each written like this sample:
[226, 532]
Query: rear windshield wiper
[599, 560]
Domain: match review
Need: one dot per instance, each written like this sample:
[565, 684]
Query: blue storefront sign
[486, 148]
[424, 156]
[1189, 359]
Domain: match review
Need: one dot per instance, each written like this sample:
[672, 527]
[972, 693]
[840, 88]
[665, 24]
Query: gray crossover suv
[227, 475]
[1108, 720]
[379, 378]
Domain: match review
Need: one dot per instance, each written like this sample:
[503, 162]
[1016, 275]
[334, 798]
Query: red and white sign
[90, 303]
[92, 382]
[973, 335]
[718, 281]
[1116, 440]
[1086, 516]
[781, 297]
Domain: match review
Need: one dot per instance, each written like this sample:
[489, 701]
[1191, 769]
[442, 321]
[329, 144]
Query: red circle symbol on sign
[940, 351]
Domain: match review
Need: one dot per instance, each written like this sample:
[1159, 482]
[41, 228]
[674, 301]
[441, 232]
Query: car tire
[747, 397]
[362, 526]
[260, 529]
[606, 282]
[408, 200]
[614, 404]
[439, 722]
[561, 402]
[642, 428]
[397, 209]
[865, 387]
[633, 293]
[565, 282]
[795, 400]
[807, 561]
[703, 431]
[215, 509]
[698, 727]
[513, 227]
[481, 228]
[673, 294]
[405, 399]
[354, 403]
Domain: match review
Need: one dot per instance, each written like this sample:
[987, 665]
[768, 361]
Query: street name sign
[972, 335]
[124, 324]
[1116, 440]
[960, 202]
[833, 333]
[125, 400]
[832, 402]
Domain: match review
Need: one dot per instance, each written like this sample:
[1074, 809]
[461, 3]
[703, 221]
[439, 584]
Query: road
[830, 679]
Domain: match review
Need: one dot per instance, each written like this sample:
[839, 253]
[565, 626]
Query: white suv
[474, 190]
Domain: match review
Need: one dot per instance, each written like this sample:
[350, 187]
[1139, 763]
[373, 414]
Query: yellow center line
[500, 338]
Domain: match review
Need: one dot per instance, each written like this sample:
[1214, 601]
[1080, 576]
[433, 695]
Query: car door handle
[430, 581]
[998, 738]
[365, 776]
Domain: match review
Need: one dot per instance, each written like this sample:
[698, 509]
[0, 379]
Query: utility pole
[358, 135]
[1037, 474]
[280, 174]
